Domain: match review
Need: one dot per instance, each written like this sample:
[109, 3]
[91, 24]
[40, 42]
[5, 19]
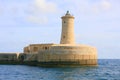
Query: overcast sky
[24, 22]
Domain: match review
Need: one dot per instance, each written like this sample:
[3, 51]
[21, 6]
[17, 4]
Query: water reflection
[69, 73]
[107, 70]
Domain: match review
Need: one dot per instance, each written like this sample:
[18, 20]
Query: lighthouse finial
[67, 13]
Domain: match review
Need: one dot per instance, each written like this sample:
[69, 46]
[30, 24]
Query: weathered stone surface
[70, 53]
[9, 56]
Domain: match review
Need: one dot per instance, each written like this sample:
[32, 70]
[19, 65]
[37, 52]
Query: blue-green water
[106, 70]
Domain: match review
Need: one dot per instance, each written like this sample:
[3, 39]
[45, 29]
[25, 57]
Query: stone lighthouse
[67, 35]
[67, 53]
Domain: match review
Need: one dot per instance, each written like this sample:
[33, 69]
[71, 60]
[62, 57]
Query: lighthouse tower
[67, 53]
[67, 35]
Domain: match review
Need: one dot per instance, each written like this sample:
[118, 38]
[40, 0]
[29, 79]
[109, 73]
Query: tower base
[68, 55]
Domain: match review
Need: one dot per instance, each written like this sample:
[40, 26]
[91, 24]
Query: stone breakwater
[55, 55]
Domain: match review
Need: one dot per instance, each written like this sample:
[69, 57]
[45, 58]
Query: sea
[107, 69]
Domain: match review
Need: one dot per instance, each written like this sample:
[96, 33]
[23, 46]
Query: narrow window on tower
[63, 36]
